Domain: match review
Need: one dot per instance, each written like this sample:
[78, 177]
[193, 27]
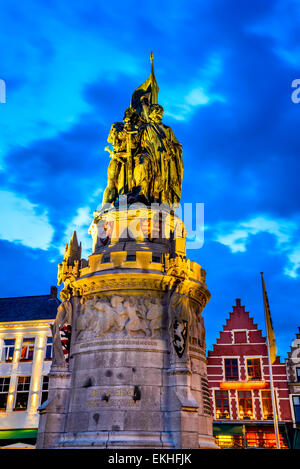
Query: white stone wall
[36, 368]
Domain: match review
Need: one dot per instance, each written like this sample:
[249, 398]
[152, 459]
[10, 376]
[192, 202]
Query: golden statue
[146, 160]
[119, 173]
[159, 141]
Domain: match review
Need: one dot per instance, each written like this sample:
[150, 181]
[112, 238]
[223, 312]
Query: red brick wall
[255, 346]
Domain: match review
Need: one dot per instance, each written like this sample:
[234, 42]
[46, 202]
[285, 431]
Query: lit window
[4, 387]
[49, 347]
[296, 402]
[222, 405]
[23, 387]
[267, 405]
[45, 386]
[8, 350]
[270, 440]
[253, 369]
[27, 349]
[245, 405]
[252, 440]
[231, 369]
[225, 441]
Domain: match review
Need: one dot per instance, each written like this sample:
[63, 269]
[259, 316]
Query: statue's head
[65, 295]
[156, 113]
[130, 117]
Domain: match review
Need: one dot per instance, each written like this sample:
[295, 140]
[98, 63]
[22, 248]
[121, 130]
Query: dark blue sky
[224, 69]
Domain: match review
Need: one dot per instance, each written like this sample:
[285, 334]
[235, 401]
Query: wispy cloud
[80, 223]
[292, 269]
[200, 90]
[24, 222]
[237, 236]
[57, 78]
[278, 26]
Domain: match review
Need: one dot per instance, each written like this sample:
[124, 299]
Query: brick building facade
[239, 382]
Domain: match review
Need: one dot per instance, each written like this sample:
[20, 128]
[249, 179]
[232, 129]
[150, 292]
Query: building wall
[36, 369]
[293, 373]
[240, 339]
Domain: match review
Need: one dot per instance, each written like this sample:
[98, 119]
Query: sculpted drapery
[165, 152]
[146, 160]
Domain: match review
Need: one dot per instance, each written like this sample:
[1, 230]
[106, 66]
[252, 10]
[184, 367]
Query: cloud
[80, 223]
[278, 26]
[58, 62]
[293, 262]
[23, 222]
[224, 70]
[182, 101]
[237, 236]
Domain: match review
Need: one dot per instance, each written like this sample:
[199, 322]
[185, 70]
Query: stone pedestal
[53, 414]
[136, 377]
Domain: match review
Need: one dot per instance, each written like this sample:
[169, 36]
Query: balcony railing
[240, 442]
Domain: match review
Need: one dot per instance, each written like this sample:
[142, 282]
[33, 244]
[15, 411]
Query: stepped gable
[239, 328]
[293, 359]
[295, 346]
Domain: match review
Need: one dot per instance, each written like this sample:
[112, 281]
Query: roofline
[33, 296]
[26, 321]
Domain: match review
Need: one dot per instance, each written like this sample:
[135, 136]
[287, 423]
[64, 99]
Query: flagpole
[274, 407]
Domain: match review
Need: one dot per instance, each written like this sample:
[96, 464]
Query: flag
[149, 89]
[269, 324]
[105, 234]
[65, 337]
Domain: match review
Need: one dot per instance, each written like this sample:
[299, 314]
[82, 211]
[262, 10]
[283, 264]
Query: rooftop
[29, 308]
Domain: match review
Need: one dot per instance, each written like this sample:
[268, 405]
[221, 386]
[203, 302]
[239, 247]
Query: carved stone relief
[185, 321]
[117, 315]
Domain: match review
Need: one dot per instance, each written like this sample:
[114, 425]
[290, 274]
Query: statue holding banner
[146, 160]
[129, 368]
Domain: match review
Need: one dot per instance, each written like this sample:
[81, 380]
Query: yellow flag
[269, 324]
[149, 88]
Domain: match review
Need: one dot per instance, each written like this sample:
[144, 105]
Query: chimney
[53, 291]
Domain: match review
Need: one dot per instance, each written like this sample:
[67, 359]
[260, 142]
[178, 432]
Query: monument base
[136, 377]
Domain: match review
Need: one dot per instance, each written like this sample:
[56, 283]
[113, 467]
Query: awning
[18, 434]
[227, 429]
[243, 385]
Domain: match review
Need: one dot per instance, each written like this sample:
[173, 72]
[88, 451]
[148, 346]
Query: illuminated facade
[26, 355]
[239, 382]
[293, 373]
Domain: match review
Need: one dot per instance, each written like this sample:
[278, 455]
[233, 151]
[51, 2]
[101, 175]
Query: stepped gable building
[25, 359]
[293, 374]
[239, 382]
